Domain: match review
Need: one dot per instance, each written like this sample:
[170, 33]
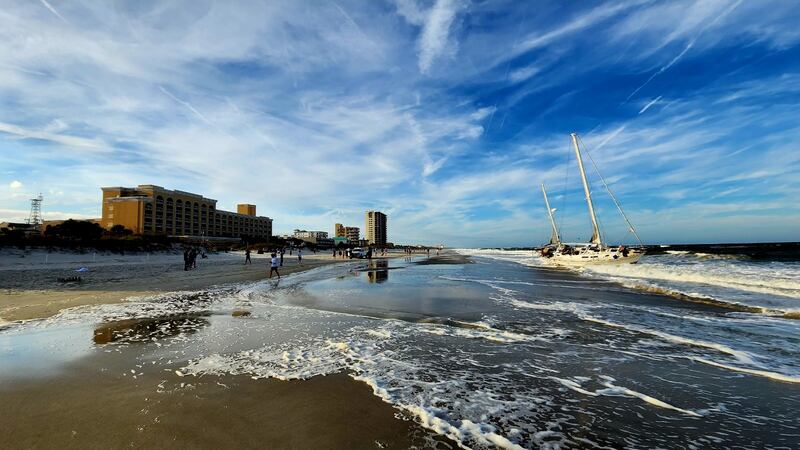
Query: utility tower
[35, 219]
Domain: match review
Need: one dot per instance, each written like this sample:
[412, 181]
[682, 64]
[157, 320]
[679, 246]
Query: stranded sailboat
[595, 251]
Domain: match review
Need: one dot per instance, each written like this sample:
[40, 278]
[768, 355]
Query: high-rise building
[339, 230]
[153, 210]
[376, 227]
[353, 234]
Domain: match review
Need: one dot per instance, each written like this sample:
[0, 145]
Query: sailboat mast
[554, 237]
[595, 229]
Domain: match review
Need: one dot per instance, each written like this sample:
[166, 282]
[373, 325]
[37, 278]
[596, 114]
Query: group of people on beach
[190, 257]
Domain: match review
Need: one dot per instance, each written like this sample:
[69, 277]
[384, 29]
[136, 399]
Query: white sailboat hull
[573, 260]
[591, 258]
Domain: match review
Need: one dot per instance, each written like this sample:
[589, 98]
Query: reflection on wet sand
[145, 330]
[378, 271]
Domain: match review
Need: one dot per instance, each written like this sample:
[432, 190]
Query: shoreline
[160, 409]
[123, 394]
[30, 290]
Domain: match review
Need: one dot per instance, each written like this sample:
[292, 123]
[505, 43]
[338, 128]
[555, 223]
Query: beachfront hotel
[154, 210]
[376, 227]
[353, 234]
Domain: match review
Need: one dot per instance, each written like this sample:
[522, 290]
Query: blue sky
[445, 114]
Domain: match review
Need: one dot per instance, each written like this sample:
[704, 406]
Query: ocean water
[733, 280]
[498, 352]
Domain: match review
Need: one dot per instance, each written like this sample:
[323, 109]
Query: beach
[30, 288]
[475, 349]
[90, 409]
[100, 398]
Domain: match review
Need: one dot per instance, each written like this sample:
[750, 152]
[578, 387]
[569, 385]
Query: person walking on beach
[334, 253]
[283, 250]
[274, 265]
[299, 257]
[247, 256]
[186, 259]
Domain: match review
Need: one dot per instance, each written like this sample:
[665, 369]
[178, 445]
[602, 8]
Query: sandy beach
[29, 286]
[160, 410]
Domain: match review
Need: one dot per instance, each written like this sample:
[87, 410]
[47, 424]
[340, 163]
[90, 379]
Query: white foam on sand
[283, 362]
[362, 352]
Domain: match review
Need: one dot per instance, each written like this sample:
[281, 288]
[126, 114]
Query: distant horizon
[649, 245]
[444, 114]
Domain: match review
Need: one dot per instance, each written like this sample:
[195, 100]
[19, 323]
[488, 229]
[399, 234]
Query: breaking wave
[731, 281]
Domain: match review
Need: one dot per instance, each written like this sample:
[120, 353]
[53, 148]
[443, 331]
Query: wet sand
[163, 410]
[29, 288]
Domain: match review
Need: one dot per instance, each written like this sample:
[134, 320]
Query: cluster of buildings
[374, 221]
[375, 224]
[352, 234]
[153, 210]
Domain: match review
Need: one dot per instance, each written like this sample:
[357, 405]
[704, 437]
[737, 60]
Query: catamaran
[595, 251]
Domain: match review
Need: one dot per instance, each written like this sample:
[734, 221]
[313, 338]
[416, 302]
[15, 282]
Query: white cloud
[649, 104]
[53, 10]
[435, 36]
[523, 73]
[431, 167]
[63, 139]
[15, 184]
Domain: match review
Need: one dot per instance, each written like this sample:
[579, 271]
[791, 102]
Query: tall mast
[595, 229]
[554, 237]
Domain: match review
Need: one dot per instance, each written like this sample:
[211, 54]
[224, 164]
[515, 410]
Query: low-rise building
[153, 210]
[353, 234]
[301, 234]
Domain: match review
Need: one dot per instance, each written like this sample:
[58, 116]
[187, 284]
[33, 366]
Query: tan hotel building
[153, 210]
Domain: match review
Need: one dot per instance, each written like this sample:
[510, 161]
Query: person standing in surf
[299, 257]
[274, 264]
